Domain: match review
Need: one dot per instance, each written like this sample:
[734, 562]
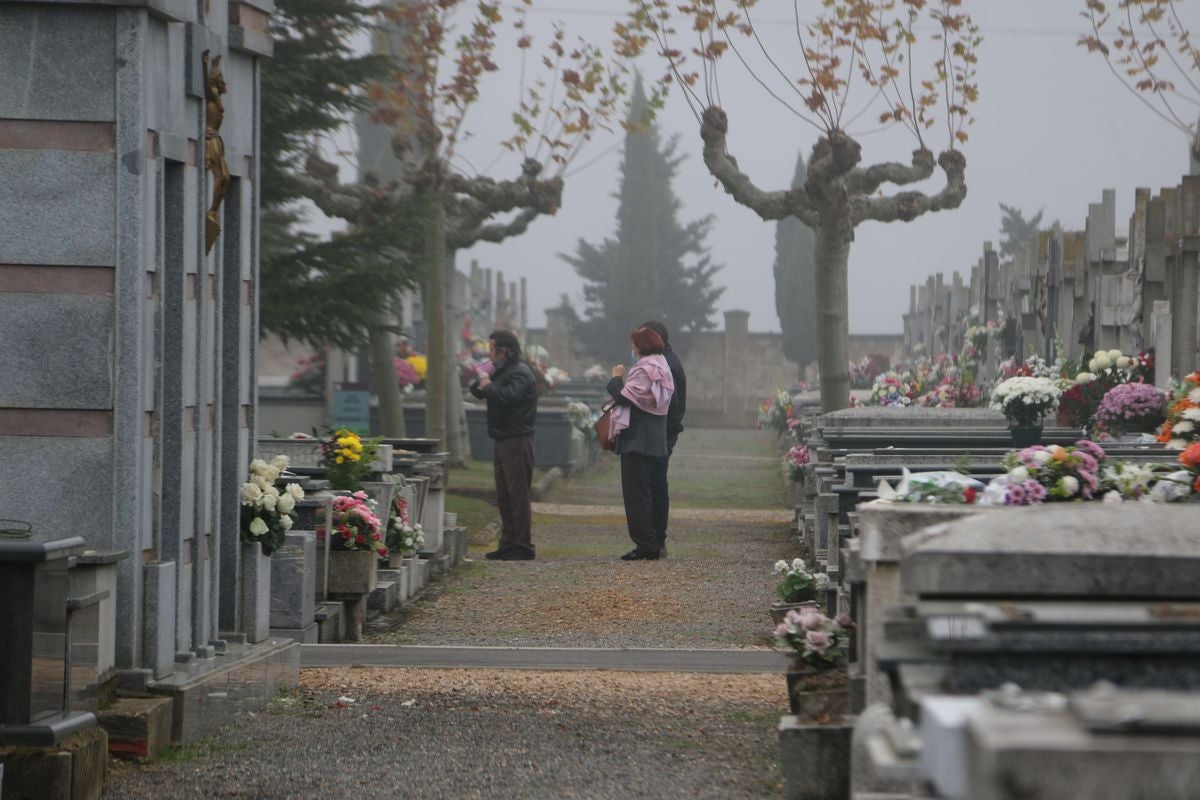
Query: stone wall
[730, 372]
[128, 404]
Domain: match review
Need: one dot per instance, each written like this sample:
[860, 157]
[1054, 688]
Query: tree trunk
[454, 394]
[832, 252]
[383, 371]
[435, 316]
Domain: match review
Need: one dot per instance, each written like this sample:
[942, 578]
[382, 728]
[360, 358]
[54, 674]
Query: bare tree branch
[493, 233]
[907, 206]
[470, 202]
[348, 201]
[867, 181]
[834, 156]
[768, 205]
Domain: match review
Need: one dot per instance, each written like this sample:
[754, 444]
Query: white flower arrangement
[266, 513]
[1025, 400]
[403, 538]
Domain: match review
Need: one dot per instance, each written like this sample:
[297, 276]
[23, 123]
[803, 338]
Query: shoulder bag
[603, 427]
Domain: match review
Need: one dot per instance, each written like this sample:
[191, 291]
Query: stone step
[309, 634]
[210, 692]
[331, 623]
[137, 727]
[384, 597]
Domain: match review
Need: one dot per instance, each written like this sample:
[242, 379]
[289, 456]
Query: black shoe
[510, 554]
[640, 555]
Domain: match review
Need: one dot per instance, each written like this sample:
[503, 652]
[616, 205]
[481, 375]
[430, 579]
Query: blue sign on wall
[352, 407]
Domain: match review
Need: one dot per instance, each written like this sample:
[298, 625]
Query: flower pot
[779, 610]
[352, 571]
[1025, 435]
[818, 697]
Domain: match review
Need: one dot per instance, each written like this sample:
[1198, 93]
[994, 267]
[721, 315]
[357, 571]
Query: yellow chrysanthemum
[420, 364]
[339, 459]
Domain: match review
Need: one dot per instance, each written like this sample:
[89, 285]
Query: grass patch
[757, 717]
[473, 513]
[581, 519]
[696, 481]
[461, 579]
[196, 751]
[479, 476]
[685, 745]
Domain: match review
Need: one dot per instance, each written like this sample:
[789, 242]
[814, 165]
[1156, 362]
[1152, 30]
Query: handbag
[603, 427]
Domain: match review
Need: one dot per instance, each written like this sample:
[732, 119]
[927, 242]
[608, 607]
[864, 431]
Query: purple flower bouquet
[1131, 408]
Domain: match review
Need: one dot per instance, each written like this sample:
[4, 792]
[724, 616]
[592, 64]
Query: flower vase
[780, 609]
[352, 571]
[818, 697]
[1025, 435]
[255, 590]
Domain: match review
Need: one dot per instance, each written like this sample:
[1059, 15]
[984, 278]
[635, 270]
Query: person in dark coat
[642, 397]
[511, 395]
[659, 488]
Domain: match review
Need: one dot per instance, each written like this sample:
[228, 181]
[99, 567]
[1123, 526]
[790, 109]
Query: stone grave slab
[1133, 550]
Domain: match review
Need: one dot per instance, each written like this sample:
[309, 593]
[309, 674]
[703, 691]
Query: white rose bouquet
[1025, 400]
[266, 514]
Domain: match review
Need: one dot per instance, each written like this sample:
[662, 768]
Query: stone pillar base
[815, 760]
[71, 770]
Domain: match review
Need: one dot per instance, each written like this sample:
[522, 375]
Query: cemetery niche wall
[128, 293]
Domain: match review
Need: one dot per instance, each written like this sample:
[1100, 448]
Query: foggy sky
[1054, 128]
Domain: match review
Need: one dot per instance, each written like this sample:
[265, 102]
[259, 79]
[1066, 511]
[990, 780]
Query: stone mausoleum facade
[129, 236]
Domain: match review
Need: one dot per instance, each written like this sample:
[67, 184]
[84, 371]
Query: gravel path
[453, 733]
[466, 734]
[711, 592]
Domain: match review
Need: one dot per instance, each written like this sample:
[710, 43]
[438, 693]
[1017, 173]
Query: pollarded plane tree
[908, 64]
[1150, 50]
[444, 52]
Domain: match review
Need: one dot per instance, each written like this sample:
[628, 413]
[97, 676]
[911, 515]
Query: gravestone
[293, 579]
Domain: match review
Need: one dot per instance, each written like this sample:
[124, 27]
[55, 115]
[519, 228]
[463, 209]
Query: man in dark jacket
[511, 395]
[658, 483]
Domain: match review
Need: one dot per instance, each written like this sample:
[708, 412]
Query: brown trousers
[513, 466]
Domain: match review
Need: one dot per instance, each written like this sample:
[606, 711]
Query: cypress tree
[655, 267]
[795, 284]
[1015, 229]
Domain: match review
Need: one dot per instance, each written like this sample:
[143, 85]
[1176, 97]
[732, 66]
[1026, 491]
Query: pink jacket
[649, 386]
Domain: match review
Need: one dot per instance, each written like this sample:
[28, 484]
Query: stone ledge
[170, 10]
[248, 40]
[211, 692]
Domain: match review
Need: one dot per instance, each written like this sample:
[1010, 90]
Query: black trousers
[637, 477]
[513, 467]
[660, 493]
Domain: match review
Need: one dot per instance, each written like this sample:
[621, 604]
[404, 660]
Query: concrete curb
[543, 658]
[545, 483]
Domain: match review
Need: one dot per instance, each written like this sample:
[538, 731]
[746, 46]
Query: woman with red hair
[642, 396]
